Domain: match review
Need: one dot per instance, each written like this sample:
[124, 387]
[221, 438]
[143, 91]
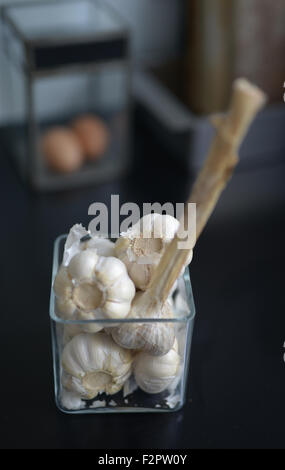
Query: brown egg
[93, 134]
[62, 150]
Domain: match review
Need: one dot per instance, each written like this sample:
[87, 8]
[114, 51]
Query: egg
[93, 134]
[62, 150]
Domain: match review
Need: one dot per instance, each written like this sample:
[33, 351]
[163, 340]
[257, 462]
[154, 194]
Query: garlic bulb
[141, 247]
[155, 374]
[157, 338]
[93, 287]
[93, 364]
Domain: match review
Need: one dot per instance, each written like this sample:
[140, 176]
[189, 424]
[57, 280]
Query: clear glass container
[67, 59]
[130, 398]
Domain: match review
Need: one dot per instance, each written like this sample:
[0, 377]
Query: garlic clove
[155, 374]
[87, 316]
[116, 310]
[121, 247]
[62, 283]
[82, 265]
[95, 364]
[65, 308]
[73, 384]
[109, 270]
[141, 274]
[125, 287]
[74, 329]
[157, 338]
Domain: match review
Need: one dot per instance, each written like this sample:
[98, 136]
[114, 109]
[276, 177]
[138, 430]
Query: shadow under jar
[86, 356]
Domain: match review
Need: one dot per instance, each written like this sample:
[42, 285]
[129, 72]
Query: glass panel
[140, 391]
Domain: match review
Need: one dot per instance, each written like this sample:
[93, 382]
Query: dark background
[236, 393]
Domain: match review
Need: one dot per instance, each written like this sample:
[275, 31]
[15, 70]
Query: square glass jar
[66, 59]
[130, 398]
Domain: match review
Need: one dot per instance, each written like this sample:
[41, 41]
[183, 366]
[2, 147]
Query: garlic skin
[94, 364]
[155, 338]
[142, 246]
[93, 287]
[155, 374]
[80, 239]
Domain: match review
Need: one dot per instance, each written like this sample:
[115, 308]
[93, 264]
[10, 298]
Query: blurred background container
[69, 91]
[183, 72]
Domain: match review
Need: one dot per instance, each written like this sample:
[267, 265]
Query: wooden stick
[246, 101]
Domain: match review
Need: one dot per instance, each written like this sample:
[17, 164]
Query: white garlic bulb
[155, 374]
[142, 246]
[157, 338]
[93, 287]
[94, 364]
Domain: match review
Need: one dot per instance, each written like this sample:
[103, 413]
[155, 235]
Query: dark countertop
[236, 394]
